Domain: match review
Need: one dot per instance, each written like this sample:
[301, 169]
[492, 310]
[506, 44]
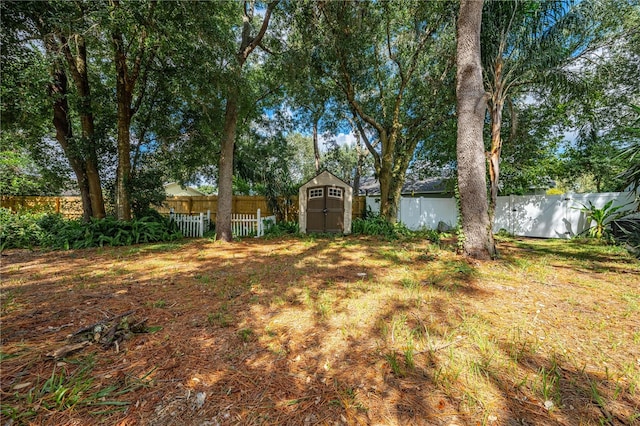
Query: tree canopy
[250, 96]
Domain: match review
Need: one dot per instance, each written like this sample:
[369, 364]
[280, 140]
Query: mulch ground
[306, 332]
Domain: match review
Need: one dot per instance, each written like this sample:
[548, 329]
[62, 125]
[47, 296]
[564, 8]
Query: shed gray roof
[434, 185]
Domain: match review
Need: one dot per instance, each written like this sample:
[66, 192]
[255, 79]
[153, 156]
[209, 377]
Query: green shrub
[432, 235]
[274, 230]
[626, 231]
[20, 230]
[374, 224]
[27, 230]
[504, 233]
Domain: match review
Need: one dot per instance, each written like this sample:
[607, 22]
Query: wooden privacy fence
[246, 204]
[71, 207]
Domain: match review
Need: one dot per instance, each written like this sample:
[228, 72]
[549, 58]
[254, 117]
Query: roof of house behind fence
[434, 185]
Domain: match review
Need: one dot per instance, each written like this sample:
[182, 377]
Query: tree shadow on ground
[574, 250]
[284, 332]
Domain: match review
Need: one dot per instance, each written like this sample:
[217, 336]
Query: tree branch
[245, 50]
[144, 81]
[71, 60]
[368, 144]
[266, 49]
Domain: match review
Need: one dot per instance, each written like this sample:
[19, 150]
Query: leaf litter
[348, 330]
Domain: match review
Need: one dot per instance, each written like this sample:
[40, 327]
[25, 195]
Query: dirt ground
[315, 331]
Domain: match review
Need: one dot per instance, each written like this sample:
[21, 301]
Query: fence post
[201, 231]
[260, 231]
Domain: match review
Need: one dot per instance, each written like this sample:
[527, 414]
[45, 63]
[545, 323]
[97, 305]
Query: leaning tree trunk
[359, 164]
[64, 134]
[493, 156]
[58, 91]
[471, 106]
[91, 157]
[78, 67]
[316, 149]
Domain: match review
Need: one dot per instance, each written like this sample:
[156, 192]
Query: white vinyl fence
[242, 225]
[544, 216]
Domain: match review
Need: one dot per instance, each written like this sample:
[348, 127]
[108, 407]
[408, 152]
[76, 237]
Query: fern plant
[28, 230]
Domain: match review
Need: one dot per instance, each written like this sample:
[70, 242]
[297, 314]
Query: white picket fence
[193, 226]
[542, 216]
[242, 225]
[248, 225]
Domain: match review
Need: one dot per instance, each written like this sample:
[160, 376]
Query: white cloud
[346, 139]
[341, 139]
[571, 136]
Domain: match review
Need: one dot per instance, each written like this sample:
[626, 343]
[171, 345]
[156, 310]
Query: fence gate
[248, 225]
[193, 226]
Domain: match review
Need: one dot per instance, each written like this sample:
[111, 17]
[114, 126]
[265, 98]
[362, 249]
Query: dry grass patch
[325, 331]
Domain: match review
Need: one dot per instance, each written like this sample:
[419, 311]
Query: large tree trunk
[64, 133]
[387, 211]
[123, 95]
[126, 82]
[390, 193]
[123, 174]
[390, 174]
[58, 90]
[391, 177]
[471, 107]
[78, 66]
[225, 168]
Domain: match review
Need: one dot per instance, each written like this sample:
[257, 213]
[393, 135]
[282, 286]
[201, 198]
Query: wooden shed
[325, 205]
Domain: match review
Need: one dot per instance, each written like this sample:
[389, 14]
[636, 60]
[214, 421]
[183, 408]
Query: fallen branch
[99, 323]
[108, 332]
[66, 350]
